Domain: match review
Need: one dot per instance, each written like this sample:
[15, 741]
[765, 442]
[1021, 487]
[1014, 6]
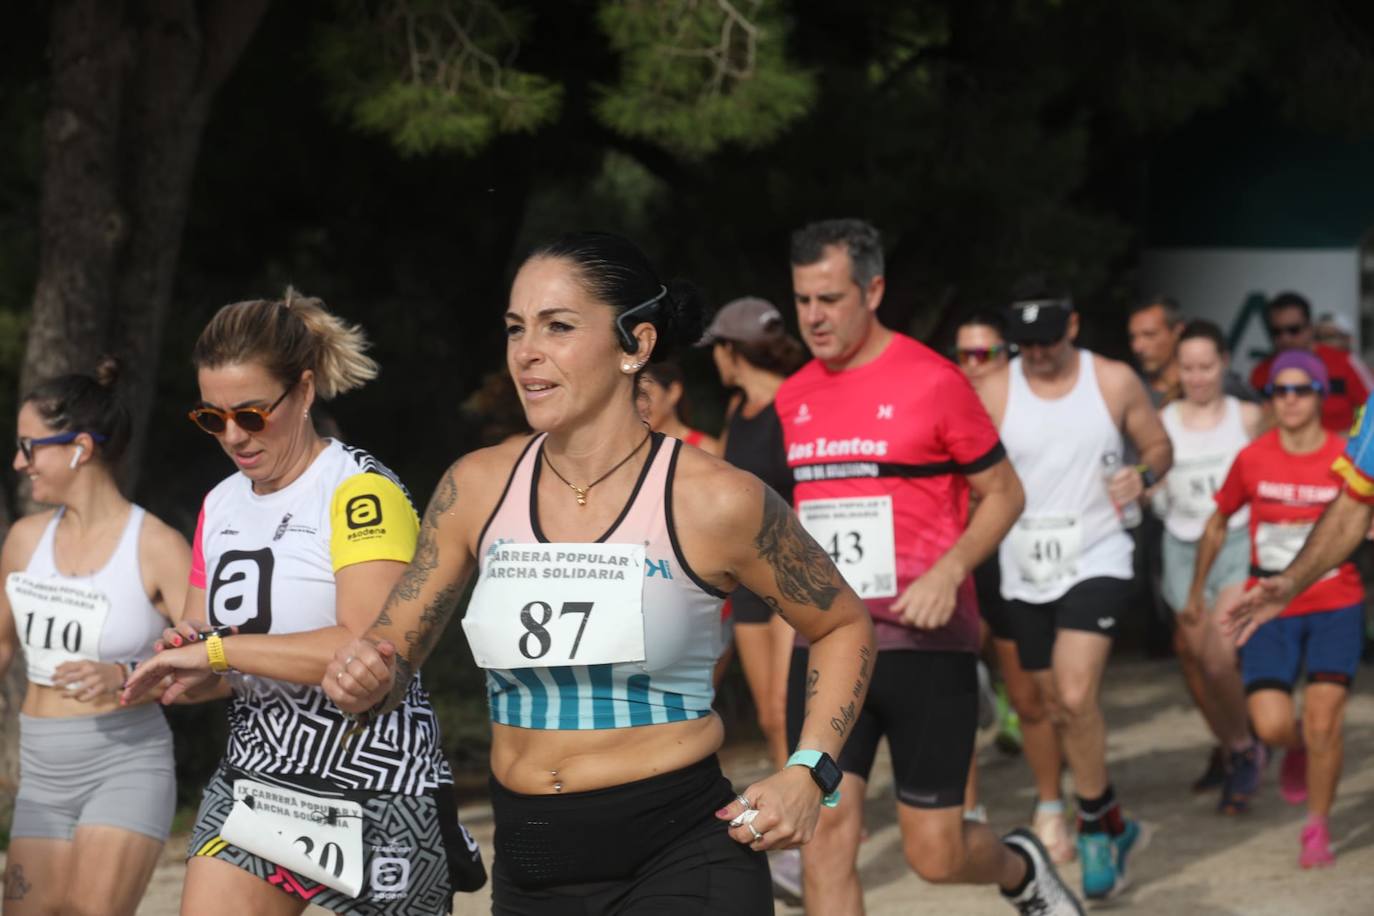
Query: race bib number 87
[550, 605]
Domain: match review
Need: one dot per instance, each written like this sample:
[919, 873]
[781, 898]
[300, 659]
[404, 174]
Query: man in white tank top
[1067, 563]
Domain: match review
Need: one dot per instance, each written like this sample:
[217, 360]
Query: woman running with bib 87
[293, 554]
[602, 553]
[88, 588]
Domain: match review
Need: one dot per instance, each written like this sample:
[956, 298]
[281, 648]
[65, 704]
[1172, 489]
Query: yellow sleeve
[371, 519]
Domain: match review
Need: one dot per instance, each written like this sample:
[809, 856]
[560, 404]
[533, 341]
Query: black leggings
[647, 848]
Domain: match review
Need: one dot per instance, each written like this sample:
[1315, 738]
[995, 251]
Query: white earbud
[76, 458]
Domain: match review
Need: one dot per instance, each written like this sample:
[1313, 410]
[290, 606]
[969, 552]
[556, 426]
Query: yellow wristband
[214, 650]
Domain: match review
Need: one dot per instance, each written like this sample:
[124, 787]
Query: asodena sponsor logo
[822, 447]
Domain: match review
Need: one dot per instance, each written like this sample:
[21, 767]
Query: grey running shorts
[113, 770]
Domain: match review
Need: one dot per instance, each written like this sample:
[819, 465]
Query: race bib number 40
[57, 620]
[857, 533]
[550, 605]
[319, 838]
[1046, 548]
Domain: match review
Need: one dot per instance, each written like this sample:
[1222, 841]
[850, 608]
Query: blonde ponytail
[288, 336]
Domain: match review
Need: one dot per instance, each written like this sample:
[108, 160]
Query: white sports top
[1201, 459]
[1069, 531]
[267, 563]
[106, 616]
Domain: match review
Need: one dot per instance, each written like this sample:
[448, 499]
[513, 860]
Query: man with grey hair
[885, 440]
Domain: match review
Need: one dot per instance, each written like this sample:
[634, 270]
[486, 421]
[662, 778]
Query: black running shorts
[1092, 606]
[926, 705]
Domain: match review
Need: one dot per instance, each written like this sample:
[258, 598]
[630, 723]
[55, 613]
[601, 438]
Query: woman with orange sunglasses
[89, 586]
[292, 556]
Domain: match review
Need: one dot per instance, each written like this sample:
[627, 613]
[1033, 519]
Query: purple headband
[1304, 360]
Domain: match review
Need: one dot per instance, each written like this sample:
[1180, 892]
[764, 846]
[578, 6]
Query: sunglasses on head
[1286, 330]
[28, 443]
[1302, 391]
[249, 419]
[969, 355]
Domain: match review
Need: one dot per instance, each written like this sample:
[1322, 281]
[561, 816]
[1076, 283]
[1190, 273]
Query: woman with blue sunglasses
[89, 586]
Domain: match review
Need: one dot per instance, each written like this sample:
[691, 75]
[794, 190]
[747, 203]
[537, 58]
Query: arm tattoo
[437, 612]
[803, 571]
[865, 656]
[812, 679]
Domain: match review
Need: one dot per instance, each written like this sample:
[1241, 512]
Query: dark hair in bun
[613, 270]
[87, 404]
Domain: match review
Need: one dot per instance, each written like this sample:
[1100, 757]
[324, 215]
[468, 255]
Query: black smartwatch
[1147, 476]
[824, 771]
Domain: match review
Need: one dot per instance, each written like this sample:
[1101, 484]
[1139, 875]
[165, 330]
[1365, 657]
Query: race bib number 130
[551, 605]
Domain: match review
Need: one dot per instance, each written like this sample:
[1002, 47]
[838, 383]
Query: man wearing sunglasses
[1287, 479]
[1289, 320]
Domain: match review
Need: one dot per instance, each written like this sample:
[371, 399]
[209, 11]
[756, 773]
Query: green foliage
[434, 75]
[698, 74]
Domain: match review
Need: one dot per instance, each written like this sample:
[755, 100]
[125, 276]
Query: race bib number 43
[857, 533]
[550, 605]
[58, 621]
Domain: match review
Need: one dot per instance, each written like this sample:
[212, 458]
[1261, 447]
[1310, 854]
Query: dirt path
[1198, 863]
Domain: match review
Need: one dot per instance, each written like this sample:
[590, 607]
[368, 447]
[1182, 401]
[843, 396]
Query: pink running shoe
[1316, 846]
[1293, 776]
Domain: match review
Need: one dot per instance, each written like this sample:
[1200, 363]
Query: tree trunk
[132, 83]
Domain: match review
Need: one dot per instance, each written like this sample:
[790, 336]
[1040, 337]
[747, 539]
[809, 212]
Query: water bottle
[1129, 513]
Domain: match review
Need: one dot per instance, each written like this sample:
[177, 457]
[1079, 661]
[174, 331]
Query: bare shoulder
[492, 461]
[23, 537]
[1251, 417]
[713, 496]
[1117, 379]
[158, 536]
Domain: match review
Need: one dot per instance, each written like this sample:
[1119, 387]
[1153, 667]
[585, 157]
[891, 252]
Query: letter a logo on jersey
[363, 511]
[241, 591]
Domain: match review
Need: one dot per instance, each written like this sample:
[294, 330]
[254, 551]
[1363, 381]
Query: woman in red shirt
[1285, 477]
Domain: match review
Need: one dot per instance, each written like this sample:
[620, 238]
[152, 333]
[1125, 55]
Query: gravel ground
[1197, 862]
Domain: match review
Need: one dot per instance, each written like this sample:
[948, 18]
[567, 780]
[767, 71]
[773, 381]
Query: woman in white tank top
[88, 589]
[1208, 428]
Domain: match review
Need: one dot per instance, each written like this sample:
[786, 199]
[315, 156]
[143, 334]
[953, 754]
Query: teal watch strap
[809, 759]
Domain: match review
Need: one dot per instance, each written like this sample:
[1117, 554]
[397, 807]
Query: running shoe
[1008, 738]
[1046, 894]
[1215, 775]
[1104, 860]
[1242, 779]
[1316, 846]
[1052, 831]
[787, 874]
[1293, 776]
[987, 698]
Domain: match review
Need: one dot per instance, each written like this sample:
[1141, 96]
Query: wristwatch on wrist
[824, 771]
[1147, 476]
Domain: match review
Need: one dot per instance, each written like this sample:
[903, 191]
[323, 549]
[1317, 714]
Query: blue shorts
[1326, 643]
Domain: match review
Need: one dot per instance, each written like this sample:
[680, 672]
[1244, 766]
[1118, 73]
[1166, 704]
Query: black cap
[1038, 321]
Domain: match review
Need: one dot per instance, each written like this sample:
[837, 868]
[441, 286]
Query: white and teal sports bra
[616, 633]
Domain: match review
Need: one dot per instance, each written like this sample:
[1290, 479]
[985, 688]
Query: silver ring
[347, 660]
[744, 801]
[338, 675]
[754, 830]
